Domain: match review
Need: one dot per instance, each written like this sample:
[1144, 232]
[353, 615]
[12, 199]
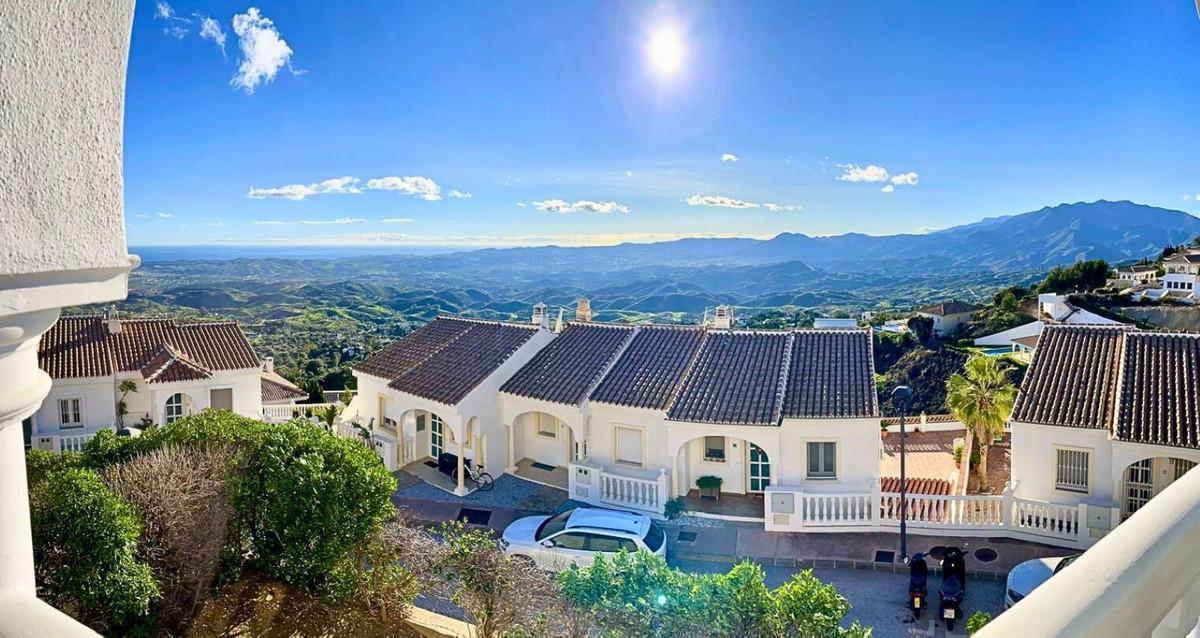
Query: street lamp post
[900, 398]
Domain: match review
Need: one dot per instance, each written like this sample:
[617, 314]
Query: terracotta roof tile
[831, 375]
[650, 368]
[450, 372]
[951, 307]
[82, 346]
[564, 370]
[1159, 400]
[277, 389]
[735, 379]
[409, 352]
[1072, 379]
[932, 487]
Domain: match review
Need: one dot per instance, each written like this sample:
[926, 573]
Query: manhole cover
[885, 556]
[986, 554]
[474, 516]
[937, 552]
[687, 537]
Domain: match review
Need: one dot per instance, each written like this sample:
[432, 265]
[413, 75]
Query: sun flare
[665, 50]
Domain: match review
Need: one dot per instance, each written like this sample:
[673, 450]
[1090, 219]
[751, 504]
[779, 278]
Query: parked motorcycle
[954, 586]
[918, 576]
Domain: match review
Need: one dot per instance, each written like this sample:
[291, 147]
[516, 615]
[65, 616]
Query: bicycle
[483, 481]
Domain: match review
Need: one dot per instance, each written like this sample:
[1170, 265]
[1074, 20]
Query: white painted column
[21, 394]
[461, 490]
[512, 435]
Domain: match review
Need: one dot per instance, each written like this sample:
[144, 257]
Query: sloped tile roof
[735, 379]
[277, 389]
[831, 375]
[1072, 379]
[1159, 400]
[449, 372]
[564, 370]
[168, 365]
[929, 486]
[82, 346]
[951, 307]
[409, 352]
[650, 368]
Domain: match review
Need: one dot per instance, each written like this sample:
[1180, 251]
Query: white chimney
[583, 309]
[112, 321]
[540, 315]
[558, 325]
[268, 364]
[723, 319]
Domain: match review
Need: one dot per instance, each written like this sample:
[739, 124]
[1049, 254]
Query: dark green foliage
[39, 463]
[925, 370]
[304, 497]
[889, 347]
[639, 595]
[674, 508]
[921, 328]
[1079, 276]
[976, 621]
[1002, 313]
[85, 539]
[709, 482]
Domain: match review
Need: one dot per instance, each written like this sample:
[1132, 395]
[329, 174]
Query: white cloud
[397, 220]
[176, 27]
[775, 208]
[855, 173]
[628, 173]
[215, 224]
[422, 187]
[163, 11]
[264, 52]
[522, 204]
[165, 215]
[905, 179]
[140, 215]
[312, 222]
[457, 194]
[297, 192]
[888, 188]
[570, 239]
[719, 201]
[729, 157]
[563, 207]
[210, 29]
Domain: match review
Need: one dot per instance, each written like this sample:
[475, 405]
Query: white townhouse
[948, 315]
[1182, 278]
[1107, 417]
[176, 369]
[436, 390]
[1053, 309]
[1137, 273]
[634, 415]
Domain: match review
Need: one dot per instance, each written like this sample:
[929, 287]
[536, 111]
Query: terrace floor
[555, 477]
[927, 455]
[432, 476]
[740, 505]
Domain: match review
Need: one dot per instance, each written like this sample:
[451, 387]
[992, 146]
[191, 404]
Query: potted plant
[710, 486]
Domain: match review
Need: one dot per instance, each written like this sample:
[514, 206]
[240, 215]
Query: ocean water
[151, 254]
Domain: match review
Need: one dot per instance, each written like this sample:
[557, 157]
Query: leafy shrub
[958, 450]
[889, 347]
[184, 499]
[374, 575]
[709, 482]
[85, 539]
[39, 463]
[674, 508]
[1079, 276]
[639, 595]
[976, 621]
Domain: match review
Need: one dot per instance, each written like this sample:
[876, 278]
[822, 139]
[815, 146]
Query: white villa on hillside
[633, 414]
[1054, 309]
[1182, 279]
[948, 315]
[1107, 417]
[177, 369]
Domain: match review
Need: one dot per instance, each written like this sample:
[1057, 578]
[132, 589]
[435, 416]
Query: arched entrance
[541, 447]
[742, 467]
[1145, 478]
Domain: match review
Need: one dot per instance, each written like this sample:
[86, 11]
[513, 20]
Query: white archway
[541, 446]
[744, 465]
[1145, 478]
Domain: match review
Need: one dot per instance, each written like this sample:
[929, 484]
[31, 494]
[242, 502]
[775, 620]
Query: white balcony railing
[597, 485]
[276, 413]
[66, 441]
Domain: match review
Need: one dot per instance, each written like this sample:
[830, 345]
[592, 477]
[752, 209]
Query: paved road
[878, 599]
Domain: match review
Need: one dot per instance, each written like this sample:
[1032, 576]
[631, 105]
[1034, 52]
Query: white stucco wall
[62, 85]
[99, 407]
[859, 448]
[1034, 463]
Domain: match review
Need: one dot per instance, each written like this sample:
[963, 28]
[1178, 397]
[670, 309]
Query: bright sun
[666, 50]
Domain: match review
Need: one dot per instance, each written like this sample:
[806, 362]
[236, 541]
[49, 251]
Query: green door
[760, 469]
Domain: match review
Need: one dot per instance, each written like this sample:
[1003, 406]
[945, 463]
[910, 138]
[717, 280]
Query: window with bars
[1181, 467]
[1072, 470]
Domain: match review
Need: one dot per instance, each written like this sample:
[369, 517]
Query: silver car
[578, 535]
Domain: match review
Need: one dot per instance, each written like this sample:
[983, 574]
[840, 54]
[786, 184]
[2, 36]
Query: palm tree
[982, 400]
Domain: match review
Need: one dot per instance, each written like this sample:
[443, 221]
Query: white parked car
[577, 535]
[1027, 576]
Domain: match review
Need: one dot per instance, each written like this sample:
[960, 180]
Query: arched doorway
[1145, 478]
[176, 407]
[743, 468]
[541, 447]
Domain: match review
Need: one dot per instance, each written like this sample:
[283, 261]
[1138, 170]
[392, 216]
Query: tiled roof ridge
[174, 355]
[495, 322]
[687, 372]
[608, 365]
[171, 320]
[871, 364]
[1114, 411]
[781, 385]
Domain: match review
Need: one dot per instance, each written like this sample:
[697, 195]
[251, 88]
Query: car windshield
[553, 525]
[1066, 561]
[655, 537]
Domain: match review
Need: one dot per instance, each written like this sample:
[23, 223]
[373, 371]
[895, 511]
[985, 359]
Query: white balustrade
[1046, 519]
[287, 412]
[596, 485]
[835, 510]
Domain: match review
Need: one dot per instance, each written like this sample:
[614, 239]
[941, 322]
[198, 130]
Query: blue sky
[581, 123]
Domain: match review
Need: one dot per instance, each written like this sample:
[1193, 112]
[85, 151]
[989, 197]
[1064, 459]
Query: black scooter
[954, 586]
[918, 577]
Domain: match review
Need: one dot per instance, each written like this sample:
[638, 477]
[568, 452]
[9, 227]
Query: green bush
[304, 497]
[976, 621]
[674, 508]
[85, 541]
[39, 463]
[709, 482]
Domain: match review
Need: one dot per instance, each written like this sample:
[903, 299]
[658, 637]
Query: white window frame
[1068, 486]
[641, 432]
[553, 432]
[221, 387]
[821, 475]
[183, 404]
[724, 449]
[78, 413]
